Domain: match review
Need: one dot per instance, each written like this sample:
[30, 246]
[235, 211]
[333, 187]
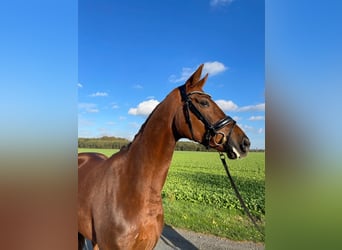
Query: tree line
[103, 142]
[112, 142]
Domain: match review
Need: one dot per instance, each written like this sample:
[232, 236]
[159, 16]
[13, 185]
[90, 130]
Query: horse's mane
[141, 130]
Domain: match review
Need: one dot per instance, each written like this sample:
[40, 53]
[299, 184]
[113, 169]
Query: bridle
[211, 129]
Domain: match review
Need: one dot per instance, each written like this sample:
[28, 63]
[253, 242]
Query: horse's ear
[201, 83]
[195, 77]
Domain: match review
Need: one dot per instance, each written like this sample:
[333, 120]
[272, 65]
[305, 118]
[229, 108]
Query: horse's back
[90, 159]
[89, 171]
[89, 168]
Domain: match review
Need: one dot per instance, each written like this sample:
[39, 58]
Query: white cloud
[134, 125]
[88, 107]
[247, 127]
[99, 94]
[213, 68]
[215, 3]
[257, 107]
[257, 118]
[85, 133]
[79, 85]
[144, 108]
[185, 74]
[237, 118]
[82, 122]
[227, 105]
[93, 110]
[250, 129]
[137, 86]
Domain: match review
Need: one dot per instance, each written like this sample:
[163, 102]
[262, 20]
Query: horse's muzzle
[236, 150]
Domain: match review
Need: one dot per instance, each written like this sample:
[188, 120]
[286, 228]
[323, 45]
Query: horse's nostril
[245, 144]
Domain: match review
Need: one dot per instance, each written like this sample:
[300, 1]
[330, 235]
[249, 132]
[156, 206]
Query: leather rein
[212, 130]
[237, 193]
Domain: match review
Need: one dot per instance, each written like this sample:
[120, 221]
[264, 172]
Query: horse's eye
[204, 103]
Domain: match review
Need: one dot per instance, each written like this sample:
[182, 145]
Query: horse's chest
[148, 236]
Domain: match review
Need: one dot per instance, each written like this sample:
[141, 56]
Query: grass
[198, 196]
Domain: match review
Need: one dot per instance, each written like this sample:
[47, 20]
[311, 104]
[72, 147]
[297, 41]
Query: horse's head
[201, 120]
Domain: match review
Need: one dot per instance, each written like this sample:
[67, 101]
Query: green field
[198, 196]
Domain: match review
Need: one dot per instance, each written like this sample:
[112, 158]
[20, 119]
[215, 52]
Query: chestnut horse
[119, 198]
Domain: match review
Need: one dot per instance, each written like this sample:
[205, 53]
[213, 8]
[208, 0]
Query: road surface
[173, 238]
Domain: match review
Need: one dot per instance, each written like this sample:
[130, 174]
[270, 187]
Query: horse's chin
[232, 152]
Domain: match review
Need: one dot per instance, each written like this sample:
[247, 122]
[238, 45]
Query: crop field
[198, 196]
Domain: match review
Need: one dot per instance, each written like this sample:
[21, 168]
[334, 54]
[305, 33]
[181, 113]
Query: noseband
[211, 129]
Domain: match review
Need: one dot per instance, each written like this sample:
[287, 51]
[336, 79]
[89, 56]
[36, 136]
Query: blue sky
[133, 53]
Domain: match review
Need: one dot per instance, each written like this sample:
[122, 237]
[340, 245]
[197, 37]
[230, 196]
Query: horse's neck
[150, 153]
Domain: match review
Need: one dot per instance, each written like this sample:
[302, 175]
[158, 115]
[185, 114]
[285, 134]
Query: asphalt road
[173, 238]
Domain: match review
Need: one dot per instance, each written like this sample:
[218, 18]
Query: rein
[237, 193]
[211, 129]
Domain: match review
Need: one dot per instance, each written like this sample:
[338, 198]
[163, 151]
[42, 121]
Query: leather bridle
[211, 129]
